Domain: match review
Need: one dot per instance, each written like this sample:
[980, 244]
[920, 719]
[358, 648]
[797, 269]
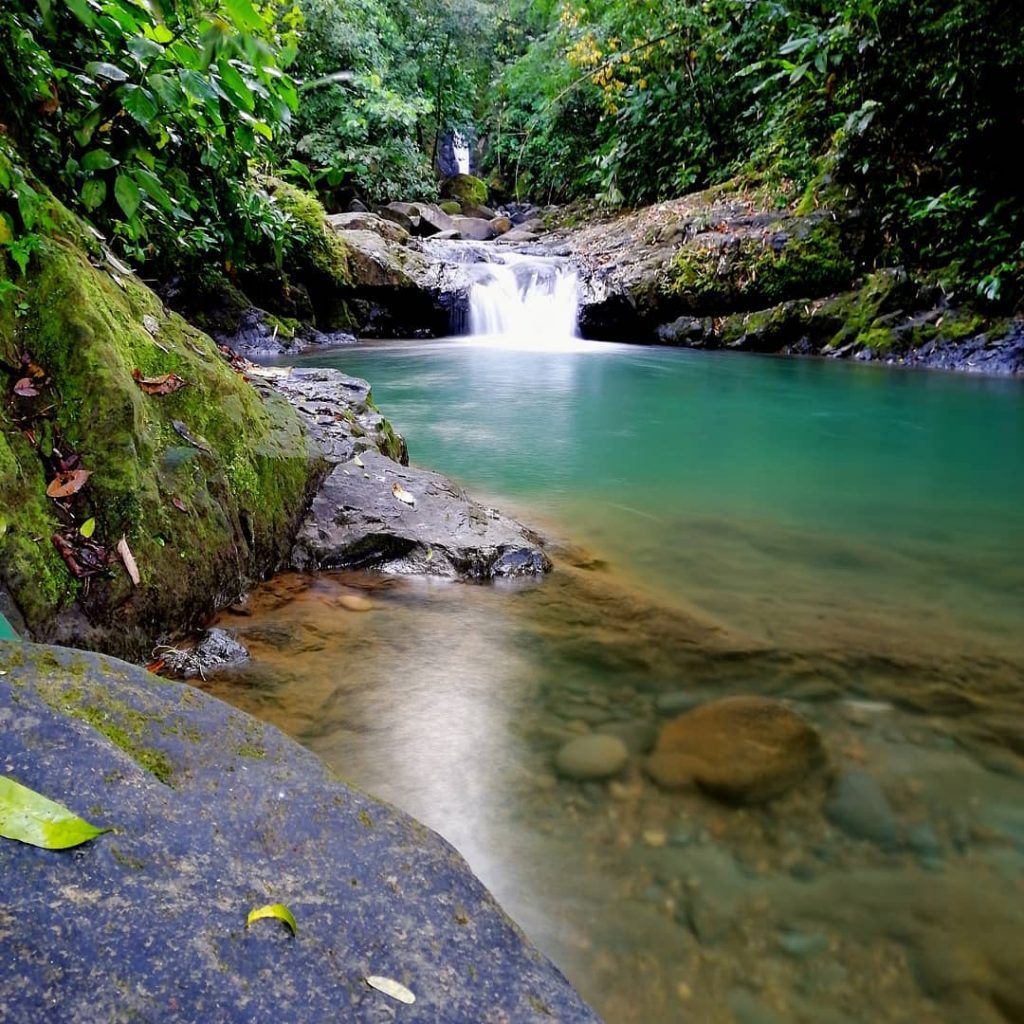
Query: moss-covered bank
[205, 484]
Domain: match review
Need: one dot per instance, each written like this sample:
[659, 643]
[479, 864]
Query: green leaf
[100, 69]
[235, 85]
[126, 192]
[244, 15]
[278, 910]
[81, 10]
[98, 160]
[94, 193]
[32, 818]
[143, 49]
[139, 102]
[88, 528]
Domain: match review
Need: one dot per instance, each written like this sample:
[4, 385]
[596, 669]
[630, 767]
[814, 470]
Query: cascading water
[523, 297]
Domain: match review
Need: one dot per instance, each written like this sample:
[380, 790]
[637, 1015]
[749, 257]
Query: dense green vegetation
[162, 121]
[901, 107]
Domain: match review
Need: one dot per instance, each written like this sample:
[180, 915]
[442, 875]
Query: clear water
[848, 538]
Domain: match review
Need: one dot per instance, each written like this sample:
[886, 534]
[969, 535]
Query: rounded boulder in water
[745, 750]
[592, 757]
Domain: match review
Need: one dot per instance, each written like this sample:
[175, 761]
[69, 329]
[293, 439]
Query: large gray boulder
[215, 814]
[474, 228]
[373, 511]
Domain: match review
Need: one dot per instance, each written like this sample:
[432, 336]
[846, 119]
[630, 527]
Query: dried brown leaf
[63, 485]
[129, 561]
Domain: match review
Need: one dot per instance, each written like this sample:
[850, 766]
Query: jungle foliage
[908, 109]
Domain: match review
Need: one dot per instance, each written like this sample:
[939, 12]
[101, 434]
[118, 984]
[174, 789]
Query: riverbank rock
[745, 750]
[727, 268]
[858, 805]
[216, 814]
[373, 511]
[199, 477]
[592, 757]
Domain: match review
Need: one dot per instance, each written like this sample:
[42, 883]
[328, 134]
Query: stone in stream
[217, 650]
[858, 805]
[215, 814]
[474, 228]
[592, 757]
[745, 750]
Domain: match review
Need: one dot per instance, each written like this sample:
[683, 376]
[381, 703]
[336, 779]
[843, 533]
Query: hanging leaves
[390, 987]
[65, 484]
[403, 495]
[29, 817]
[275, 910]
[165, 384]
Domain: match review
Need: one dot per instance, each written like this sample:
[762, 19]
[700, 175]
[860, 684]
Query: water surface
[849, 538]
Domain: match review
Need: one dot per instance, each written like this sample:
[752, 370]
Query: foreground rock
[215, 814]
[373, 511]
[745, 750]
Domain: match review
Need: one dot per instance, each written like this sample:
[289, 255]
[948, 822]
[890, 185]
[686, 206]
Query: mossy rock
[451, 207]
[466, 189]
[751, 272]
[243, 483]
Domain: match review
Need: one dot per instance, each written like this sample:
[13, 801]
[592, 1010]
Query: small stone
[684, 991]
[858, 805]
[592, 757]
[682, 836]
[654, 837]
[677, 702]
[923, 841]
[355, 603]
[801, 945]
[578, 726]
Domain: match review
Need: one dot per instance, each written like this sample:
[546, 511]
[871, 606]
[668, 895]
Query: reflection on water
[844, 541]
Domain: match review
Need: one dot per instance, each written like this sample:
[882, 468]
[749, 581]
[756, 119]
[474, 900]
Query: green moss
[124, 726]
[364, 819]
[466, 189]
[752, 272]
[126, 859]
[320, 245]
[451, 207]
[87, 332]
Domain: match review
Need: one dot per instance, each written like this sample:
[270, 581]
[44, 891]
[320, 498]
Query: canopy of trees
[161, 119]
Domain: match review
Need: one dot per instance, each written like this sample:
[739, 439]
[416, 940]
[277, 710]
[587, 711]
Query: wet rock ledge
[213, 814]
[374, 511]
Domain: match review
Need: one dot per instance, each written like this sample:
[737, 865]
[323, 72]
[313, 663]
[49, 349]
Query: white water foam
[532, 301]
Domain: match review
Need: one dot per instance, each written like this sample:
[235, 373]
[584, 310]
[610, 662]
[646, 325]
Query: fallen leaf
[88, 528]
[151, 323]
[63, 485]
[129, 560]
[358, 461]
[155, 666]
[355, 603]
[116, 264]
[278, 910]
[179, 505]
[390, 987]
[32, 818]
[67, 552]
[402, 494]
[24, 388]
[165, 384]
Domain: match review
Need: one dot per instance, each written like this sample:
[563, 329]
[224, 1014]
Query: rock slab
[215, 814]
[375, 512]
[745, 750]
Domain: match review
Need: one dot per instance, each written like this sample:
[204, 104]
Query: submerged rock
[859, 806]
[592, 757]
[216, 814]
[745, 750]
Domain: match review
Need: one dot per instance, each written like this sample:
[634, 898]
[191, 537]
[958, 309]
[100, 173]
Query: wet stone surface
[213, 814]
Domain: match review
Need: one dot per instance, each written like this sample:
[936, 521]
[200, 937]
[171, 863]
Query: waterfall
[532, 299]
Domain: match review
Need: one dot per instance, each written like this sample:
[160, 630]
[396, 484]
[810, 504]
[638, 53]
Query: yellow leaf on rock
[275, 910]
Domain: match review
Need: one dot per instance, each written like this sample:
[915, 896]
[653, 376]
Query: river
[849, 538]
